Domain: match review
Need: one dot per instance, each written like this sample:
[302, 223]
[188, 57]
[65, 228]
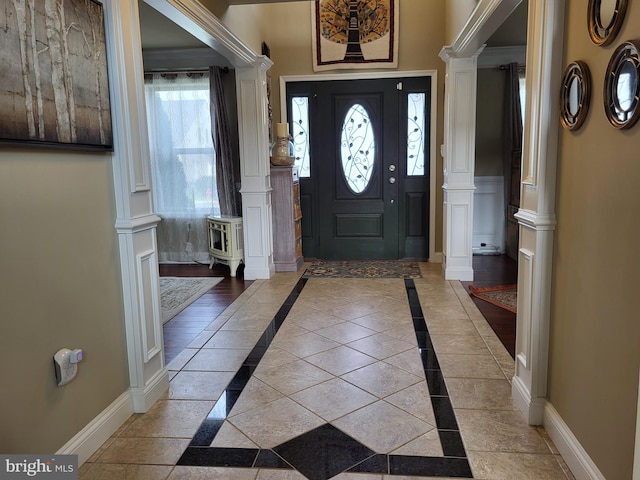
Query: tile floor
[351, 379]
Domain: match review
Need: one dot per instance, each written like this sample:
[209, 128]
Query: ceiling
[167, 46]
[513, 32]
[158, 32]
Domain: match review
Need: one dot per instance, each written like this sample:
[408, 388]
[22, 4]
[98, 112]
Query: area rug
[362, 269]
[177, 293]
[504, 296]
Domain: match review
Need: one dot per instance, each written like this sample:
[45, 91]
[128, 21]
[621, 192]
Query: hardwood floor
[183, 329]
[489, 271]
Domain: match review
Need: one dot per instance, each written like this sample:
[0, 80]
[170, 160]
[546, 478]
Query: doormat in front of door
[362, 269]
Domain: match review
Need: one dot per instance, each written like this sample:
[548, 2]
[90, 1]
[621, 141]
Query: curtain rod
[176, 72]
[505, 67]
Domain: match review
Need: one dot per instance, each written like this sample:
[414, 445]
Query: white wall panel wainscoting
[488, 216]
[136, 221]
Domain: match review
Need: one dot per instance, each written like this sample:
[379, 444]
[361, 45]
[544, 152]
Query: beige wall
[217, 7]
[60, 288]
[421, 38]
[249, 23]
[593, 378]
[458, 12]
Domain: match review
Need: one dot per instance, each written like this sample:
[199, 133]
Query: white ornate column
[536, 216]
[459, 163]
[136, 221]
[254, 169]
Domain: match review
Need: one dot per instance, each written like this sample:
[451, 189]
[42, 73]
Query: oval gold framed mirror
[575, 95]
[604, 19]
[622, 86]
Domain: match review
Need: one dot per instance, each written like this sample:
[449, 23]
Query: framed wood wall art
[54, 75]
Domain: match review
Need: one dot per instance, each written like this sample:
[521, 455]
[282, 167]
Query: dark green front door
[360, 202]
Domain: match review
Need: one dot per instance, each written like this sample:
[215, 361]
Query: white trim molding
[135, 219]
[98, 431]
[255, 171]
[536, 216]
[88, 440]
[151, 334]
[459, 163]
[145, 396]
[458, 150]
[575, 456]
[533, 318]
[636, 451]
[545, 32]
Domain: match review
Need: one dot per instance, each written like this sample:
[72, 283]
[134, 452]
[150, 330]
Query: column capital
[448, 53]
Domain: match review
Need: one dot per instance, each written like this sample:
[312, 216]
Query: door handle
[392, 179]
[392, 168]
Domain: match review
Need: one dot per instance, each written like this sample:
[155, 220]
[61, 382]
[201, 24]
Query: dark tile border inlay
[351, 456]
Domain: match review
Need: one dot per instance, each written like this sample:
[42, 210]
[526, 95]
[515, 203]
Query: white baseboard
[144, 398]
[91, 437]
[96, 432]
[464, 274]
[569, 447]
[532, 409]
[256, 273]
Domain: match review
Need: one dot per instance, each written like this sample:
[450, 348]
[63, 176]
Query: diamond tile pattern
[327, 389]
[323, 452]
[381, 379]
[344, 382]
[398, 426]
[333, 399]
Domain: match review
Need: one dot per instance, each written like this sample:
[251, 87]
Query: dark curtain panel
[221, 134]
[513, 139]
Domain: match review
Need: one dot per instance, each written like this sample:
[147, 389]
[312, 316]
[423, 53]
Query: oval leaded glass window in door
[357, 148]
